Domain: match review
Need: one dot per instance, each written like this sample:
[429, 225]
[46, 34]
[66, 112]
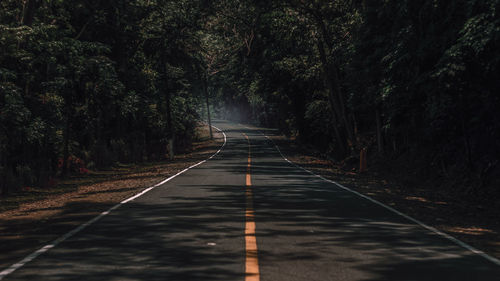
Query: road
[247, 214]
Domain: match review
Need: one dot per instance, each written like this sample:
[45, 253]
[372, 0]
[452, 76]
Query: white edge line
[430, 228]
[54, 243]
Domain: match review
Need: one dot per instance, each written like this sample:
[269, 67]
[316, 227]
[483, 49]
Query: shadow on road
[307, 229]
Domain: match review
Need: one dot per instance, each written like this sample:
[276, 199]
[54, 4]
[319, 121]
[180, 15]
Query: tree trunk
[3, 170]
[380, 143]
[331, 98]
[29, 8]
[170, 133]
[66, 146]
[334, 82]
[205, 88]
[343, 112]
[468, 150]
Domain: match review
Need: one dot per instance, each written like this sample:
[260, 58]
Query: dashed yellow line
[251, 261]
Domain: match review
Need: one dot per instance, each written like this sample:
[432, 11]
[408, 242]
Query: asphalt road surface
[247, 214]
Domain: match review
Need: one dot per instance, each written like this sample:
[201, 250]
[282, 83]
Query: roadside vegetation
[88, 84]
[413, 82]
[110, 185]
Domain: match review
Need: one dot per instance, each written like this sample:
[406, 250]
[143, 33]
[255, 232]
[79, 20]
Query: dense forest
[85, 84]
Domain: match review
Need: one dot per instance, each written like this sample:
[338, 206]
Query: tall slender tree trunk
[467, 146]
[343, 112]
[29, 8]
[3, 169]
[380, 143]
[205, 88]
[64, 172]
[170, 134]
[333, 81]
[331, 98]
[338, 136]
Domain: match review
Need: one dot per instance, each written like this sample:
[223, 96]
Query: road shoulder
[478, 227]
[35, 223]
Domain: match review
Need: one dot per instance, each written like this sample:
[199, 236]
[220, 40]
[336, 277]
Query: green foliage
[115, 80]
[93, 81]
[428, 70]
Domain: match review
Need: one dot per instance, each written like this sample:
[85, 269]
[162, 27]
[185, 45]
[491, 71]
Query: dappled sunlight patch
[470, 230]
[416, 198]
[424, 200]
[440, 203]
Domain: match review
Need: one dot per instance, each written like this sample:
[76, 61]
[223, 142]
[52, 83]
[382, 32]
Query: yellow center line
[251, 260]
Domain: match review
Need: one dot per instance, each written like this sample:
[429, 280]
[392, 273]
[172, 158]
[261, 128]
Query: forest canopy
[86, 84]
